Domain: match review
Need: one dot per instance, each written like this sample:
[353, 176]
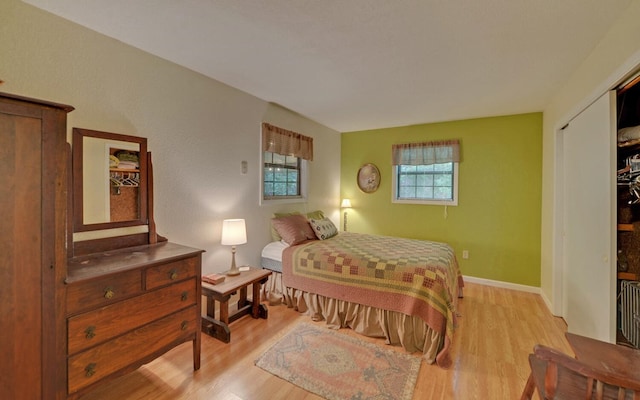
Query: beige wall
[199, 130]
[615, 57]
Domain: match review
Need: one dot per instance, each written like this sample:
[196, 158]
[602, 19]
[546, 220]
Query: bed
[403, 290]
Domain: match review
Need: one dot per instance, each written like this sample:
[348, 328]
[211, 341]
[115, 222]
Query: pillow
[274, 233]
[318, 214]
[293, 229]
[323, 228]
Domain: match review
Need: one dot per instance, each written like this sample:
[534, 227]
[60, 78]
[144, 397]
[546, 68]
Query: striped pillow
[293, 229]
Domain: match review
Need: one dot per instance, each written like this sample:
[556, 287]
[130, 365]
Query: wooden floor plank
[497, 329]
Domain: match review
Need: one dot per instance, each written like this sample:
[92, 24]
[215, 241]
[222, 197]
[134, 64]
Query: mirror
[109, 180]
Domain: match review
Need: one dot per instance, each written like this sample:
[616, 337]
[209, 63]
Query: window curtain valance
[286, 143]
[426, 153]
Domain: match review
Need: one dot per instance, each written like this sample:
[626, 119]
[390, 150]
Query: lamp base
[344, 227]
[233, 270]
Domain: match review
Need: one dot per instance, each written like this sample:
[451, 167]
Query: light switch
[243, 167]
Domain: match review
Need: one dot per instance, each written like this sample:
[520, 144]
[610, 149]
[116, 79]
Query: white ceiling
[363, 64]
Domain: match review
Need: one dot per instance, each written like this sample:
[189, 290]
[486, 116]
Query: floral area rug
[341, 367]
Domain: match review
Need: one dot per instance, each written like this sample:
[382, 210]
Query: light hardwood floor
[497, 329]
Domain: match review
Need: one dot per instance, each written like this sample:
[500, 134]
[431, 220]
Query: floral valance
[286, 143]
[426, 153]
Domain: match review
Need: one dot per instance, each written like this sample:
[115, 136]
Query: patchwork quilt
[415, 277]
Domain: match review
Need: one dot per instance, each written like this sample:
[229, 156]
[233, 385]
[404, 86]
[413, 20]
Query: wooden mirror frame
[77, 170]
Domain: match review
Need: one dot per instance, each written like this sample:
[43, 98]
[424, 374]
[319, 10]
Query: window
[284, 160]
[426, 173]
[281, 176]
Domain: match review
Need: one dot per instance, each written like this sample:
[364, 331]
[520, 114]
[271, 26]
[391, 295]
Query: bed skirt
[396, 328]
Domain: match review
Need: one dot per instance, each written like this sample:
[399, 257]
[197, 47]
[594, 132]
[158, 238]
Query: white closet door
[589, 165]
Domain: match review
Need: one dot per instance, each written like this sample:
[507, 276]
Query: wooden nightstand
[222, 292]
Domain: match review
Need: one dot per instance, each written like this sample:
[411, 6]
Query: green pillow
[317, 214]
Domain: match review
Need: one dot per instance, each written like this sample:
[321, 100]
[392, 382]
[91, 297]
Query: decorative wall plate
[368, 178]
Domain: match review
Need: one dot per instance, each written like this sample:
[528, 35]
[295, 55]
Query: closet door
[589, 164]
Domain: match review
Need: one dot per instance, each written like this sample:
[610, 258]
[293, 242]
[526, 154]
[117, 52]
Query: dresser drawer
[133, 348]
[93, 293]
[94, 327]
[171, 272]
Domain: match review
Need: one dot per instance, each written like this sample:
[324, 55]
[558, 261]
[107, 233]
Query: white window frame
[453, 202]
[304, 175]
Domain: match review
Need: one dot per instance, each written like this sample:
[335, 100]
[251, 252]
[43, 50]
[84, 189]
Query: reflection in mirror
[109, 180]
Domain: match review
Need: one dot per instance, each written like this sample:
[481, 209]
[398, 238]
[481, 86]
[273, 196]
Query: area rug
[341, 367]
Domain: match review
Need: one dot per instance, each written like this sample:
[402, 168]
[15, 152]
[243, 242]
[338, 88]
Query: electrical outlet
[465, 254]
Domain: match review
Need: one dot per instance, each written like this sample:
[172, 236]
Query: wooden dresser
[126, 307]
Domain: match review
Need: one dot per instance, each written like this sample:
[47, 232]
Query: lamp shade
[346, 203]
[233, 232]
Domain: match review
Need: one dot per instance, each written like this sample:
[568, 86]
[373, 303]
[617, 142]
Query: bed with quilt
[404, 290]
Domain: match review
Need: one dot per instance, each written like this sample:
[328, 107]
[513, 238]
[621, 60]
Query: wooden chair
[559, 376]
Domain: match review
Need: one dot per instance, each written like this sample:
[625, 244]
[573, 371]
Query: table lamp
[346, 203]
[234, 232]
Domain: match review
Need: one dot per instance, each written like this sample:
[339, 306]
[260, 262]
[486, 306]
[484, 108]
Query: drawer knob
[90, 332]
[184, 325]
[90, 370]
[108, 293]
[173, 274]
[184, 295]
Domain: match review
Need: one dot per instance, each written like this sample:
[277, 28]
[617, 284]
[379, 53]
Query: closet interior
[628, 240]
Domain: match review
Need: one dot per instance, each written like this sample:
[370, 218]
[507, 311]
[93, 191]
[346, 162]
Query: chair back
[560, 376]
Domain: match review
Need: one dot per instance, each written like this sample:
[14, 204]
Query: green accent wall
[497, 219]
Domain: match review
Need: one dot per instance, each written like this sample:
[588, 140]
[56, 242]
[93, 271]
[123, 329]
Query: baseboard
[504, 285]
[547, 302]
